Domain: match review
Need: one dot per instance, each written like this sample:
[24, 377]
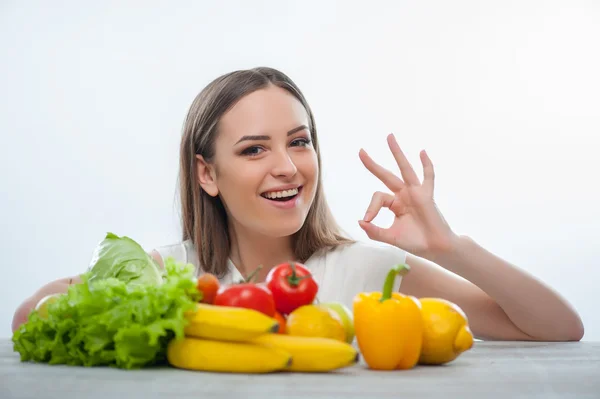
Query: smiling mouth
[282, 196]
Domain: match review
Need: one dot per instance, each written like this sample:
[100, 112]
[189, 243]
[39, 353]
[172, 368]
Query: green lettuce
[118, 320]
[124, 259]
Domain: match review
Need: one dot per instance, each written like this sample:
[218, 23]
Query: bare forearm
[534, 308]
[54, 287]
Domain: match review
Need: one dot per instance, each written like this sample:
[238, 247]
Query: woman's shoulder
[360, 252]
[364, 262]
[181, 252]
[355, 267]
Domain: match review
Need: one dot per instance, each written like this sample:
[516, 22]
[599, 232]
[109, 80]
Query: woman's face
[265, 167]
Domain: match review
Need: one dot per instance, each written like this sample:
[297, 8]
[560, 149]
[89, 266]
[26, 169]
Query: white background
[505, 96]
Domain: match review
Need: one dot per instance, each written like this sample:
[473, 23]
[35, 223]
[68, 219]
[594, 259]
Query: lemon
[446, 332]
[345, 315]
[316, 321]
[42, 305]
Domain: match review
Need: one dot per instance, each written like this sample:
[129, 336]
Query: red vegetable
[292, 286]
[247, 295]
[209, 285]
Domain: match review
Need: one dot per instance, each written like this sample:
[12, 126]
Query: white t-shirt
[340, 273]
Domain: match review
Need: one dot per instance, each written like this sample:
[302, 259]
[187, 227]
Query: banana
[226, 357]
[311, 354]
[228, 323]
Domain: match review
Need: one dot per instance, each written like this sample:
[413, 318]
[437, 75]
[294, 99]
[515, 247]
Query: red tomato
[292, 286]
[247, 295]
[209, 285]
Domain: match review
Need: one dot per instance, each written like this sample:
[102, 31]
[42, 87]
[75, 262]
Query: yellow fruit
[315, 321]
[345, 315]
[42, 305]
[311, 354]
[225, 357]
[446, 332]
[228, 323]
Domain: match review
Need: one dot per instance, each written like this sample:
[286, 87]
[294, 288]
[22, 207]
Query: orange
[281, 320]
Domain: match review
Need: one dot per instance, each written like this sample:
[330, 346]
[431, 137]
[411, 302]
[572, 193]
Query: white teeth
[281, 194]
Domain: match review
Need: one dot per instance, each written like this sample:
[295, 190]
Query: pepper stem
[389, 280]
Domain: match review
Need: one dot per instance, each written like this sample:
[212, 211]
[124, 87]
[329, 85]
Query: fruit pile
[396, 331]
[279, 325]
[258, 328]
[128, 313]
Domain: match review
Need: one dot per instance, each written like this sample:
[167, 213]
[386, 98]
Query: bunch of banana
[239, 340]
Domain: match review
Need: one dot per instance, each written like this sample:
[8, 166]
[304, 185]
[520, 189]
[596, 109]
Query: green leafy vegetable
[112, 321]
[124, 259]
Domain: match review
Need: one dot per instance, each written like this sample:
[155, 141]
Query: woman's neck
[250, 250]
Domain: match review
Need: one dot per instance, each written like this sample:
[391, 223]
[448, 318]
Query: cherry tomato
[292, 286]
[247, 295]
[281, 320]
[209, 285]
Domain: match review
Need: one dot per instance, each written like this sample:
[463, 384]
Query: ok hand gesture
[418, 227]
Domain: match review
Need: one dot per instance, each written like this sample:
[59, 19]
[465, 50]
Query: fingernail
[366, 216]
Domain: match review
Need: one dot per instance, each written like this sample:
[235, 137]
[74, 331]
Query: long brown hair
[204, 219]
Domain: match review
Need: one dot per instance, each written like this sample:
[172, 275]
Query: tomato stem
[293, 279]
[253, 274]
[389, 280]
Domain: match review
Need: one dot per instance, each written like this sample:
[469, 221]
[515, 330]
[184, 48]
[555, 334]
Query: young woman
[252, 194]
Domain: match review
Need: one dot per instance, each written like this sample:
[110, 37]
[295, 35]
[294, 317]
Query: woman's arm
[501, 301]
[55, 287]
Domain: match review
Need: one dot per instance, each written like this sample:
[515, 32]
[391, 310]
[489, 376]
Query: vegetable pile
[129, 313]
[123, 314]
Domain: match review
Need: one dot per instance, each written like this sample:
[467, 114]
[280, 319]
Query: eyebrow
[265, 137]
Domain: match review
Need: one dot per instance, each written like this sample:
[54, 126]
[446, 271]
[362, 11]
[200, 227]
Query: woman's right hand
[55, 287]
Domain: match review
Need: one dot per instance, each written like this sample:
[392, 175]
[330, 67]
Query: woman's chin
[282, 228]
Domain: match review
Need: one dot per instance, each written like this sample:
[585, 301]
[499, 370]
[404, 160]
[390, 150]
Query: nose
[283, 165]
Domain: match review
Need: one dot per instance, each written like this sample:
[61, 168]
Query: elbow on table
[572, 333]
[577, 332]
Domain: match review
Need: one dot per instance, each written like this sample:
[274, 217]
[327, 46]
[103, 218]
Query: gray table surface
[489, 370]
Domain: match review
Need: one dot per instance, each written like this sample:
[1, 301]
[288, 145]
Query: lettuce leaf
[111, 322]
[124, 259]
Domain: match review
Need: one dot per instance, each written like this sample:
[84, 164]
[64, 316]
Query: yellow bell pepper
[388, 326]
